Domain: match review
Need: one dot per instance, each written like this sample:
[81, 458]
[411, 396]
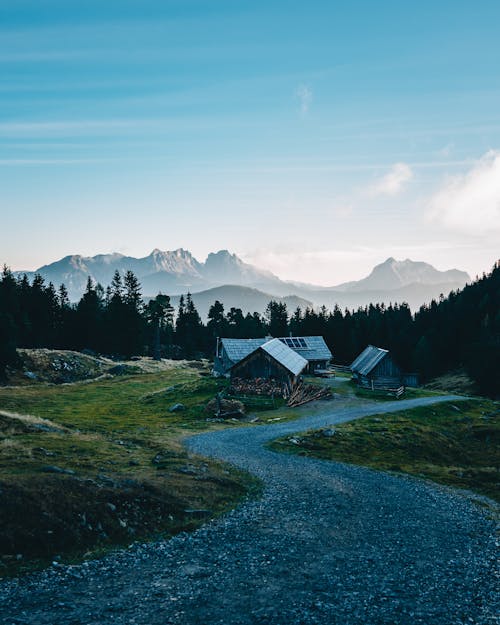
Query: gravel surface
[327, 544]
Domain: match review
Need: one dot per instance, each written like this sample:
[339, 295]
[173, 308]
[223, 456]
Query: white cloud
[394, 181]
[305, 96]
[470, 202]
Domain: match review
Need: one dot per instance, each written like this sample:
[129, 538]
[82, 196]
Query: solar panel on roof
[313, 348]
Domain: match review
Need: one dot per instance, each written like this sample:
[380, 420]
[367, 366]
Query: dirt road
[326, 544]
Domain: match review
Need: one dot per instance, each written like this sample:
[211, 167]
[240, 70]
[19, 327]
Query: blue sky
[313, 139]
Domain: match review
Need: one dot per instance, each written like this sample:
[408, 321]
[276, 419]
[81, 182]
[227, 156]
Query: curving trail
[327, 544]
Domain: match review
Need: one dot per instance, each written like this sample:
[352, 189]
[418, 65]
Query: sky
[314, 139]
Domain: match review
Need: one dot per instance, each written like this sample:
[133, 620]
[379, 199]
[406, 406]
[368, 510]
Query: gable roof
[237, 349]
[286, 356]
[280, 352]
[310, 347]
[368, 359]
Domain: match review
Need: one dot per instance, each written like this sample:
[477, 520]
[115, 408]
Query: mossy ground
[454, 443]
[106, 466]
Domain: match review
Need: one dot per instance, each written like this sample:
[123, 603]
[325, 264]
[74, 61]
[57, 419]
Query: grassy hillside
[87, 466]
[455, 443]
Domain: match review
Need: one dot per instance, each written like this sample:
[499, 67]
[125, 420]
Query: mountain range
[226, 277]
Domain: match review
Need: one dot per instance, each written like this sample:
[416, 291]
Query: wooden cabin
[273, 360]
[375, 367]
[231, 351]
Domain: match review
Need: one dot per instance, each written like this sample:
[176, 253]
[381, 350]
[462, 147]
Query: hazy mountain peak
[178, 261]
[180, 252]
[177, 271]
[223, 257]
[395, 274]
[222, 267]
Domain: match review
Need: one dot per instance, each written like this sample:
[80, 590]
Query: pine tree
[9, 310]
[160, 314]
[277, 318]
[188, 328]
[133, 321]
[89, 320]
[235, 321]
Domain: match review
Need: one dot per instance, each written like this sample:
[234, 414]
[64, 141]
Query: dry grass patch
[84, 467]
[454, 443]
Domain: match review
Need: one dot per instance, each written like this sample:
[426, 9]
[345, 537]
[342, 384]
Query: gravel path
[327, 544]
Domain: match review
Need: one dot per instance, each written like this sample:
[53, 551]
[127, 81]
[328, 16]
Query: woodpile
[225, 408]
[304, 393]
[257, 386]
[296, 395]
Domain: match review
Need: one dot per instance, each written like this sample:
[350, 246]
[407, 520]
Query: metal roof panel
[237, 349]
[286, 356]
[315, 347]
[368, 359]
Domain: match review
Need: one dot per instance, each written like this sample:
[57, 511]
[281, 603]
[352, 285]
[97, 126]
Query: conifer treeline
[462, 330]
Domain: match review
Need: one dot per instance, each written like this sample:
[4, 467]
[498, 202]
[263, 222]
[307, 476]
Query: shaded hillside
[415, 295]
[247, 299]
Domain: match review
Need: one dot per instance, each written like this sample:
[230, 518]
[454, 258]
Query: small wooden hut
[375, 368]
[272, 360]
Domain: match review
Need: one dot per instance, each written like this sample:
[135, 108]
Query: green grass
[121, 404]
[377, 395]
[454, 443]
[124, 446]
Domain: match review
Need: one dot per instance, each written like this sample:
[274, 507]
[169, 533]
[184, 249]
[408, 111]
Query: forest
[459, 331]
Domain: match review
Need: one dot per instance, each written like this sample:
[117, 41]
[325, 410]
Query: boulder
[177, 408]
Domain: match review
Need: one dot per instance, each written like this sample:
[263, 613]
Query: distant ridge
[176, 272]
[244, 297]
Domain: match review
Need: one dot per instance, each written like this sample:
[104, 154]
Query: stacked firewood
[257, 386]
[304, 393]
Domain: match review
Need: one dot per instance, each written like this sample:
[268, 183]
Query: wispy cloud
[394, 181]
[470, 203]
[14, 162]
[304, 96]
[41, 56]
[112, 126]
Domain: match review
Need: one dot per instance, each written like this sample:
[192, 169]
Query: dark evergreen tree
[133, 323]
[189, 329]
[160, 314]
[277, 319]
[235, 321]
[9, 310]
[89, 320]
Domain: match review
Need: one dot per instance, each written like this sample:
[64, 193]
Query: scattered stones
[189, 469]
[53, 469]
[197, 513]
[177, 408]
[328, 433]
[43, 451]
[326, 543]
